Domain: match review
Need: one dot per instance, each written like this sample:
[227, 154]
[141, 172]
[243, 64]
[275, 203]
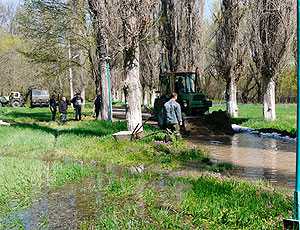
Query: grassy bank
[250, 115]
[39, 158]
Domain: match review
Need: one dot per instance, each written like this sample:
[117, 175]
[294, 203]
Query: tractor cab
[185, 84]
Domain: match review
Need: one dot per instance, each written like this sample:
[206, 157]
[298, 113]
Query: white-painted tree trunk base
[70, 72]
[134, 97]
[232, 106]
[269, 102]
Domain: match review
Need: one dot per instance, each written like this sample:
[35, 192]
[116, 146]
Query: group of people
[172, 116]
[77, 102]
[63, 105]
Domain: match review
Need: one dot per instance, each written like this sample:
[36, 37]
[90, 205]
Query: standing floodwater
[258, 157]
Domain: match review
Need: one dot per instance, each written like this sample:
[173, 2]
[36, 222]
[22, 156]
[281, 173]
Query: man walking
[63, 109]
[173, 117]
[53, 107]
[77, 104]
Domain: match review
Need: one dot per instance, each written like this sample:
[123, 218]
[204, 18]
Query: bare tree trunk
[106, 100]
[134, 94]
[82, 76]
[231, 102]
[60, 86]
[168, 37]
[145, 98]
[269, 101]
[70, 72]
[153, 97]
[269, 45]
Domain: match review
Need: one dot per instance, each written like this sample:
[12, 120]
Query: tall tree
[229, 50]
[57, 33]
[270, 22]
[168, 36]
[181, 34]
[98, 7]
[136, 21]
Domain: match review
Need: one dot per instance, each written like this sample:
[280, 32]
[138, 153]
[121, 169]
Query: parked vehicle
[15, 99]
[4, 101]
[39, 98]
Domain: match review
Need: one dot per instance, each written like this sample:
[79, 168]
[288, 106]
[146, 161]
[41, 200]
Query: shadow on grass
[92, 131]
[239, 121]
[37, 116]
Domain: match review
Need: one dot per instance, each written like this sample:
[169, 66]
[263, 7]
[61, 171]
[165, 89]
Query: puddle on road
[259, 157]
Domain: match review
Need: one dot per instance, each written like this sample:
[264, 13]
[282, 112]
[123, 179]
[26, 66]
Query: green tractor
[193, 102]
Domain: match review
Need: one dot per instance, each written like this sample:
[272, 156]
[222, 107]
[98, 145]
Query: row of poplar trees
[257, 36]
[138, 39]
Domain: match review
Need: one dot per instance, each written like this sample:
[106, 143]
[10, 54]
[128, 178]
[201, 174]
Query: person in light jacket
[173, 116]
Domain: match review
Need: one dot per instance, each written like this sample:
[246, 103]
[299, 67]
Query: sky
[208, 8]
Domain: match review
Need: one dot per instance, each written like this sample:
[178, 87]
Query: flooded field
[259, 157]
[98, 202]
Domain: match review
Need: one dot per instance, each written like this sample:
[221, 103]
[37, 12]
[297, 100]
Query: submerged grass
[250, 115]
[36, 155]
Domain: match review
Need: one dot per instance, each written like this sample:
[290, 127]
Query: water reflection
[259, 157]
[64, 208]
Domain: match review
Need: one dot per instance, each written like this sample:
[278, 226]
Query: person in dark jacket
[173, 116]
[63, 109]
[53, 107]
[77, 102]
[98, 104]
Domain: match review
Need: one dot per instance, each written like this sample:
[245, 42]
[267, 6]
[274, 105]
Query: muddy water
[63, 208]
[79, 205]
[258, 157]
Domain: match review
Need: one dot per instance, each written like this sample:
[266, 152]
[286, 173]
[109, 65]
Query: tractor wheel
[16, 104]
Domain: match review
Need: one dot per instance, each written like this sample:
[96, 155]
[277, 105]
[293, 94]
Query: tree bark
[70, 72]
[152, 97]
[134, 94]
[82, 76]
[145, 98]
[269, 100]
[106, 100]
[231, 102]
[168, 36]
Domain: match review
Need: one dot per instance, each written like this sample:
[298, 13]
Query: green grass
[250, 115]
[37, 156]
[153, 201]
